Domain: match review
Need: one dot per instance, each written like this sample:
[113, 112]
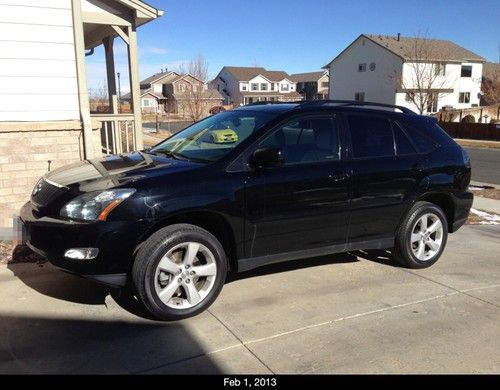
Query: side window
[371, 137]
[403, 144]
[424, 144]
[306, 140]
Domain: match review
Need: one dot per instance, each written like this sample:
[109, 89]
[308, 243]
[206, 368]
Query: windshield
[214, 137]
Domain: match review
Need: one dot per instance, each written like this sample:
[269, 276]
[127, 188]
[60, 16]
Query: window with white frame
[272, 86]
[263, 86]
[362, 67]
[244, 87]
[182, 87]
[440, 69]
[464, 97]
[255, 86]
[284, 87]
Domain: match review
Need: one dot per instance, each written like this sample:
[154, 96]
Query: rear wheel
[179, 271]
[422, 236]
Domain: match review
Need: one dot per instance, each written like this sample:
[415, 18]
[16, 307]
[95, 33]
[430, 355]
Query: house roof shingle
[156, 77]
[243, 73]
[436, 49]
[307, 77]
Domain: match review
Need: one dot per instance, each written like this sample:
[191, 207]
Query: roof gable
[308, 77]
[242, 73]
[158, 77]
[407, 48]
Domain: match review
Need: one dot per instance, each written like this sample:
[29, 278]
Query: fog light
[82, 253]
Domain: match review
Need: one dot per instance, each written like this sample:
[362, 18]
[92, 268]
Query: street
[485, 164]
[335, 314]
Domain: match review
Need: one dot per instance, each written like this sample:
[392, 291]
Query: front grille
[45, 192]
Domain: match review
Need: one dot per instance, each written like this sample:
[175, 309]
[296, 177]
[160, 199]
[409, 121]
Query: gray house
[312, 85]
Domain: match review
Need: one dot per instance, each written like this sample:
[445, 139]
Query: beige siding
[37, 61]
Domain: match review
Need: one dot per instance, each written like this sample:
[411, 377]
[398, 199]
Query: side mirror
[266, 158]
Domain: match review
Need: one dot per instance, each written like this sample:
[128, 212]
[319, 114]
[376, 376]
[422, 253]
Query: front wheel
[422, 236]
[179, 271]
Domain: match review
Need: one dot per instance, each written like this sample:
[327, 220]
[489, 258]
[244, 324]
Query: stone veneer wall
[25, 149]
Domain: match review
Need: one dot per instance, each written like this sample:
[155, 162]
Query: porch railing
[118, 133]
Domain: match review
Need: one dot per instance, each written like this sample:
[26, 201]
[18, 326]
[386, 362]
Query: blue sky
[295, 35]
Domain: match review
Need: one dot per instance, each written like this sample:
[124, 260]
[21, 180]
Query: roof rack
[264, 102]
[347, 103]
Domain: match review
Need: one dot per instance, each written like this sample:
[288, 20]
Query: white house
[422, 74]
[244, 85]
[45, 118]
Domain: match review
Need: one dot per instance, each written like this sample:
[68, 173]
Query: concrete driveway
[336, 314]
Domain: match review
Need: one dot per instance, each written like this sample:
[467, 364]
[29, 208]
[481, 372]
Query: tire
[411, 236]
[173, 247]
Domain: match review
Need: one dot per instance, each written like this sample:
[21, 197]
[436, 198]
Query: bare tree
[98, 98]
[491, 87]
[194, 96]
[424, 77]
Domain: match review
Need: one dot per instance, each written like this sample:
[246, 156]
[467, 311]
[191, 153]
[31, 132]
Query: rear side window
[371, 137]
[424, 144]
[403, 144]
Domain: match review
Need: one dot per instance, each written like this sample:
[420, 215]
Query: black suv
[248, 187]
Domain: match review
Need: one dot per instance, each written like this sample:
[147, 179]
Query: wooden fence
[480, 131]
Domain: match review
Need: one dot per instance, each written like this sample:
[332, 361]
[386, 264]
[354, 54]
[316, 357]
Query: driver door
[303, 204]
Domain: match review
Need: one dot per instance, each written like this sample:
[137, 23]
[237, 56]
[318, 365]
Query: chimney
[399, 36]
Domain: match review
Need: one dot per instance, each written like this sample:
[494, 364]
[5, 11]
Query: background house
[45, 118]
[152, 98]
[174, 93]
[421, 74]
[312, 85]
[244, 85]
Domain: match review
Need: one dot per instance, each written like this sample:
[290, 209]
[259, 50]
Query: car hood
[116, 170]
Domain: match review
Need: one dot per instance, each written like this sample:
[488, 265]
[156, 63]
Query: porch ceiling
[99, 15]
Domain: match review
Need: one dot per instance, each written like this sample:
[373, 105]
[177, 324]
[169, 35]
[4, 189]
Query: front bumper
[116, 241]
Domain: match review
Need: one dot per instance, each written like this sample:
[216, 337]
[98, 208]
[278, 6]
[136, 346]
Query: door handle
[417, 167]
[338, 176]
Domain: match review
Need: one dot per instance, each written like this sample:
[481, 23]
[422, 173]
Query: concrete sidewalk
[335, 314]
[487, 204]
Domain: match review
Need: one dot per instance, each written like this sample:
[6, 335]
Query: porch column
[135, 90]
[110, 73]
[83, 95]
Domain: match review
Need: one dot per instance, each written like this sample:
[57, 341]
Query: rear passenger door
[386, 170]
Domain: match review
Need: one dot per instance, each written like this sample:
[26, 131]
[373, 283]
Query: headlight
[95, 206]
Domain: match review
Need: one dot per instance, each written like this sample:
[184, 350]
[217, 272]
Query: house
[152, 98]
[422, 74]
[312, 85]
[171, 92]
[45, 118]
[190, 97]
[243, 85]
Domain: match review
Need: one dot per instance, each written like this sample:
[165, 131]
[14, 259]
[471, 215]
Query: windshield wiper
[170, 154]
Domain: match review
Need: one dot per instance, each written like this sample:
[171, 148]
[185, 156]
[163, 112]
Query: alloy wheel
[426, 237]
[185, 275]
